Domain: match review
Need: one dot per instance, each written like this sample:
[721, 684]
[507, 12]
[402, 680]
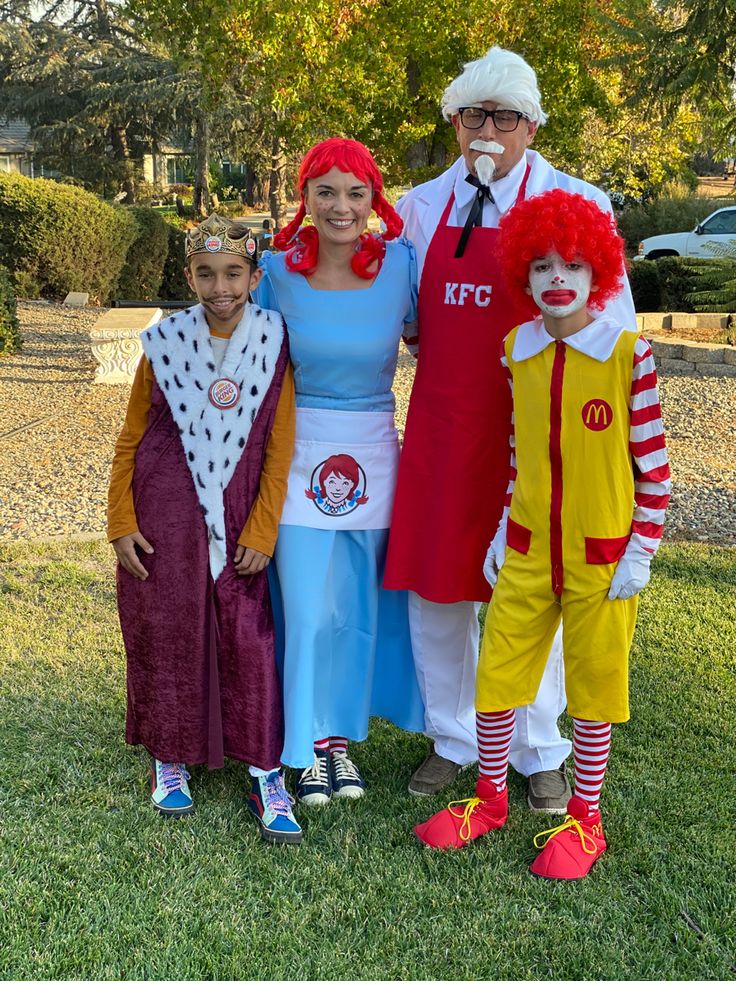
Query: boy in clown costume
[589, 484]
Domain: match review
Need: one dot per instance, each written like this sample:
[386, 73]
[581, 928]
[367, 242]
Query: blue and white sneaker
[169, 789]
[314, 783]
[271, 803]
[346, 778]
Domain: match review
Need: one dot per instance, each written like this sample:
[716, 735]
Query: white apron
[343, 472]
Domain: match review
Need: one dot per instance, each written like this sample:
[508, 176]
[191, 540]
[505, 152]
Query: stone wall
[677, 356]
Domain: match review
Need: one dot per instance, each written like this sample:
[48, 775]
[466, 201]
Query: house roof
[15, 136]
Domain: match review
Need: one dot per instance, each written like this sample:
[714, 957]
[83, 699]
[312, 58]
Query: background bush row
[55, 239]
[678, 284]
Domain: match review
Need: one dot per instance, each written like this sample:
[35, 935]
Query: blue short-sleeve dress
[344, 640]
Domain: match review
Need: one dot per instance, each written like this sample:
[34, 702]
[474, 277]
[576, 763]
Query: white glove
[496, 554]
[632, 573]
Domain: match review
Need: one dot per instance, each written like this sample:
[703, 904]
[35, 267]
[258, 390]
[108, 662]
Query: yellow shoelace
[569, 824]
[470, 805]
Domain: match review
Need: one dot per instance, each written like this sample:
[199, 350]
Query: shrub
[645, 286]
[697, 285]
[174, 285]
[55, 239]
[715, 287]
[143, 271]
[675, 213]
[9, 327]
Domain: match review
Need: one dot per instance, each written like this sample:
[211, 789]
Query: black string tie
[475, 218]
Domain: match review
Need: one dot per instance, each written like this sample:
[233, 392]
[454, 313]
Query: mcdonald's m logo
[597, 415]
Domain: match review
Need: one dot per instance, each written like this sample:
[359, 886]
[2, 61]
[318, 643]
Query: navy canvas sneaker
[346, 778]
[271, 803]
[314, 784]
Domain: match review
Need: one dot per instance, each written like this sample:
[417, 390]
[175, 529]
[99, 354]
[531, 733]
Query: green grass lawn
[94, 885]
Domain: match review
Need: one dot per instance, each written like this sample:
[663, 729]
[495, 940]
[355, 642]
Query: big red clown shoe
[465, 820]
[573, 847]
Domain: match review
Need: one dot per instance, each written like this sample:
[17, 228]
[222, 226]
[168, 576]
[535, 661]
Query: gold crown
[218, 234]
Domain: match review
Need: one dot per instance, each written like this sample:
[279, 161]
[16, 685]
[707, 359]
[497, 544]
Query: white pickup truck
[719, 227]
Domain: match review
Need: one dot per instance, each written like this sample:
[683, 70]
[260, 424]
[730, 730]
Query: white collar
[597, 340]
[505, 190]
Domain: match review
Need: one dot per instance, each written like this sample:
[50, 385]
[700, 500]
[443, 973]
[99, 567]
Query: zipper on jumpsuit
[555, 459]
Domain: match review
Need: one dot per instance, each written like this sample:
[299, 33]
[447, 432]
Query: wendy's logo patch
[338, 485]
[597, 415]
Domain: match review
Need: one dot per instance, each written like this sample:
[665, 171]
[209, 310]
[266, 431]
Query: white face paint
[485, 166]
[560, 288]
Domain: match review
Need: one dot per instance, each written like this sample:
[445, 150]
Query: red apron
[454, 465]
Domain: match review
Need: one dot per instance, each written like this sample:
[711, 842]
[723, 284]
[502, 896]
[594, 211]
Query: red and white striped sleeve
[512, 437]
[652, 482]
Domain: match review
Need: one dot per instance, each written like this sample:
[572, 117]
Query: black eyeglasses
[505, 120]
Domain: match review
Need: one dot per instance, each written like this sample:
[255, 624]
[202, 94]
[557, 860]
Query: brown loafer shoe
[433, 775]
[549, 791]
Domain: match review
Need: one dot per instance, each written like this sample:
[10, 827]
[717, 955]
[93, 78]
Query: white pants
[445, 639]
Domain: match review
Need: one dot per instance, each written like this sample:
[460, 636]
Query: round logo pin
[224, 393]
[213, 244]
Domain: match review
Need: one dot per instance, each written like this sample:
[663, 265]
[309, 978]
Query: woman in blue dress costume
[345, 295]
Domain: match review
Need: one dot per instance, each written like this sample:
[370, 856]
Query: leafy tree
[684, 51]
[94, 95]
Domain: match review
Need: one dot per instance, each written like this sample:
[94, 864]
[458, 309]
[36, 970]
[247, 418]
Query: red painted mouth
[559, 298]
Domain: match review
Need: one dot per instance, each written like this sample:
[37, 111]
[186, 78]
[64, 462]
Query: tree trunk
[417, 153]
[250, 183]
[121, 153]
[202, 172]
[277, 190]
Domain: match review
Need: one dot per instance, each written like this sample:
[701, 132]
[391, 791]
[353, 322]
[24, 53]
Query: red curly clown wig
[351, 157]
[572, 226]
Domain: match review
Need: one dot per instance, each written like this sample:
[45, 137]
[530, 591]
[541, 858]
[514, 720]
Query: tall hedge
[645, 285]
[55, 239]
[174, 285]
[9, 327]
[143, 271]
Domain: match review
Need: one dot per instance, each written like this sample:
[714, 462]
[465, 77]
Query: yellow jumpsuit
[569, 523]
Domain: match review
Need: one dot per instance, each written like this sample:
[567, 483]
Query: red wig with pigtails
[350, 157]
[573, 227]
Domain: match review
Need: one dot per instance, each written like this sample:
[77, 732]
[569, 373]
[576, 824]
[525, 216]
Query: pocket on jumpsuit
[518, 537]
[604, 551]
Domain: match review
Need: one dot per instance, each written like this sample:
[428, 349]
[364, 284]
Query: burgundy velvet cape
[202, 675]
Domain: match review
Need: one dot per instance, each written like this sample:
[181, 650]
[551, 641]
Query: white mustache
[486, 146]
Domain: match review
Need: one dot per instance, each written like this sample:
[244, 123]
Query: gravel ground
[58, 430]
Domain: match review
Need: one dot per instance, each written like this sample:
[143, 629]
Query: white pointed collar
[597, 340]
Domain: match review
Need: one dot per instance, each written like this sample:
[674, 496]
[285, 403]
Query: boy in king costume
[198, 483]
[589, 484]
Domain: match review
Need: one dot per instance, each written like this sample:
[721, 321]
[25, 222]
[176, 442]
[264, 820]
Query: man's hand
[127, 557]
[496, 555]
[249, 561]
[632, 573]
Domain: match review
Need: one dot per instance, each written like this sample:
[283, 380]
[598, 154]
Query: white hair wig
[499, 76]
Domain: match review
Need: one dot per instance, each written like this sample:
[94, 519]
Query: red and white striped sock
[338, 744]
[321, 744]
[591, 746]
[495, 730]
